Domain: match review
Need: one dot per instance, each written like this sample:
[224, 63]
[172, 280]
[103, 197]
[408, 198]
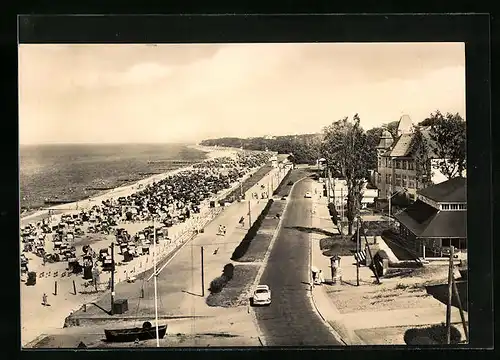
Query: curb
[333, 331]
[266, 257]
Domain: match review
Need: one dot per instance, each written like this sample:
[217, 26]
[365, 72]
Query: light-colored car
[308, 195]
[262, 295]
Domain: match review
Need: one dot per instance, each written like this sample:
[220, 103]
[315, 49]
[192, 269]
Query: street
[290, 320]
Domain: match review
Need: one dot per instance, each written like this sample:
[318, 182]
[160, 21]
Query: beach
[60, 289]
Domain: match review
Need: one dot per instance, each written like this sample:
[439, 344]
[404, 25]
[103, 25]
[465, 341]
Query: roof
[405, 124]
[263, 287]
[452, 190]
[402, 146]
[386, 140]
[427, 222]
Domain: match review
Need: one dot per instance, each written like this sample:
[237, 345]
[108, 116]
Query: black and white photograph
[207, 195]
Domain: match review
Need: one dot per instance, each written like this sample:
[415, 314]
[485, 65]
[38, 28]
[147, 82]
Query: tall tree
[346, 149]
[392, 127]
[422, 155]
[373, 137]
[448, 133]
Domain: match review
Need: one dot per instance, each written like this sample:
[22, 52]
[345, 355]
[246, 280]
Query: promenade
[180, 297]
[60, 289]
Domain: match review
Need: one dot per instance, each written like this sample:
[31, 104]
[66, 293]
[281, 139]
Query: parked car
[308, 195]
[261, 295]
[290, 183]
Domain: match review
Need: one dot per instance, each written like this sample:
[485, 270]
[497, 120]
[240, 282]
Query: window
[405, 181]
[389, 163]
[445, 206]
[453, 206]
[411, 182]
[397, 164]
[379, 162]
[405, 164]
[411, 165]
[398, 179]
[379, 178]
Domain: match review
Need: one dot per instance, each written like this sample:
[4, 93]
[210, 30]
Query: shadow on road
[190, 293]
[101, 308]
[311, 230]
[440, 293]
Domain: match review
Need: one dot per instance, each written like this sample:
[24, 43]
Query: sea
[78, 171]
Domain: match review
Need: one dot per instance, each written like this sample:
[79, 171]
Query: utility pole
[342, 209]
[328, 186]
[112, 277]
[202, 275]
[357, 250]
[390, 200]
[155, 283]
[450, 294]
[249, 215]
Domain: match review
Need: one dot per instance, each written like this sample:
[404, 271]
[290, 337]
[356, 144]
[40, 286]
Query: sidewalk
[179, 283]
[65, 302]
[322, 302]
[369, 314]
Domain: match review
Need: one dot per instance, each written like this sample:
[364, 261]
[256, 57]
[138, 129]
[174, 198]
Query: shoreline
[67, 302]
[38, 215]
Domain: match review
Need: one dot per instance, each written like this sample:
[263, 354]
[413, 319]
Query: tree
[373, 138]
[421, 152]
[392, 127]
[449, 143]
[346, 149]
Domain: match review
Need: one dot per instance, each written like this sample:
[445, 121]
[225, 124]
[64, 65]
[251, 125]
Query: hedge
[217, 284]
[282, 183]
[242, 248]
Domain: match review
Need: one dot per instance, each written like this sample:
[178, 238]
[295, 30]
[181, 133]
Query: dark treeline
[305, 148]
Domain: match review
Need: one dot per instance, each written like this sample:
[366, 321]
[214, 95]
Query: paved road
[291, 320]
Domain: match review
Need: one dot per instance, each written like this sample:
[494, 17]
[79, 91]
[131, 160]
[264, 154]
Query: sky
[141, 93]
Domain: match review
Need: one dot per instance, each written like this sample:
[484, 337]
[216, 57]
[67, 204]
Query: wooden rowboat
[133, 334]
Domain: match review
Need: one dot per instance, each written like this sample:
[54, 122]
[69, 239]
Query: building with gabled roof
[397, 168]
[437, 220]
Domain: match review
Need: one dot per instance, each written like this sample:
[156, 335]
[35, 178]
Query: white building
[339, 194]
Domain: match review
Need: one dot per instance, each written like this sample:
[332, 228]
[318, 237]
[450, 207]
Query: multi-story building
[437, 220]
[397, 168]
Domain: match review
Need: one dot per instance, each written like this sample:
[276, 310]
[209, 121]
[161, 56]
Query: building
[339, 194]
[397, 169]
[437, 220]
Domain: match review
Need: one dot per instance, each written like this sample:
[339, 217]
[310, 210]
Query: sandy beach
[60, 287]
[125, 190]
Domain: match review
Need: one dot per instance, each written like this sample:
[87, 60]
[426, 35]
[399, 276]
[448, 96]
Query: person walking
[44, 300]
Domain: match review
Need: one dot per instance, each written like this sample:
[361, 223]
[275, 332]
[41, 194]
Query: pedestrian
[44, 300]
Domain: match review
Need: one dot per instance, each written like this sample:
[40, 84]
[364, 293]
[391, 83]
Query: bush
[228, 271]
[281, 184]
[436, 333]
[242, 248]
[217, 284]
